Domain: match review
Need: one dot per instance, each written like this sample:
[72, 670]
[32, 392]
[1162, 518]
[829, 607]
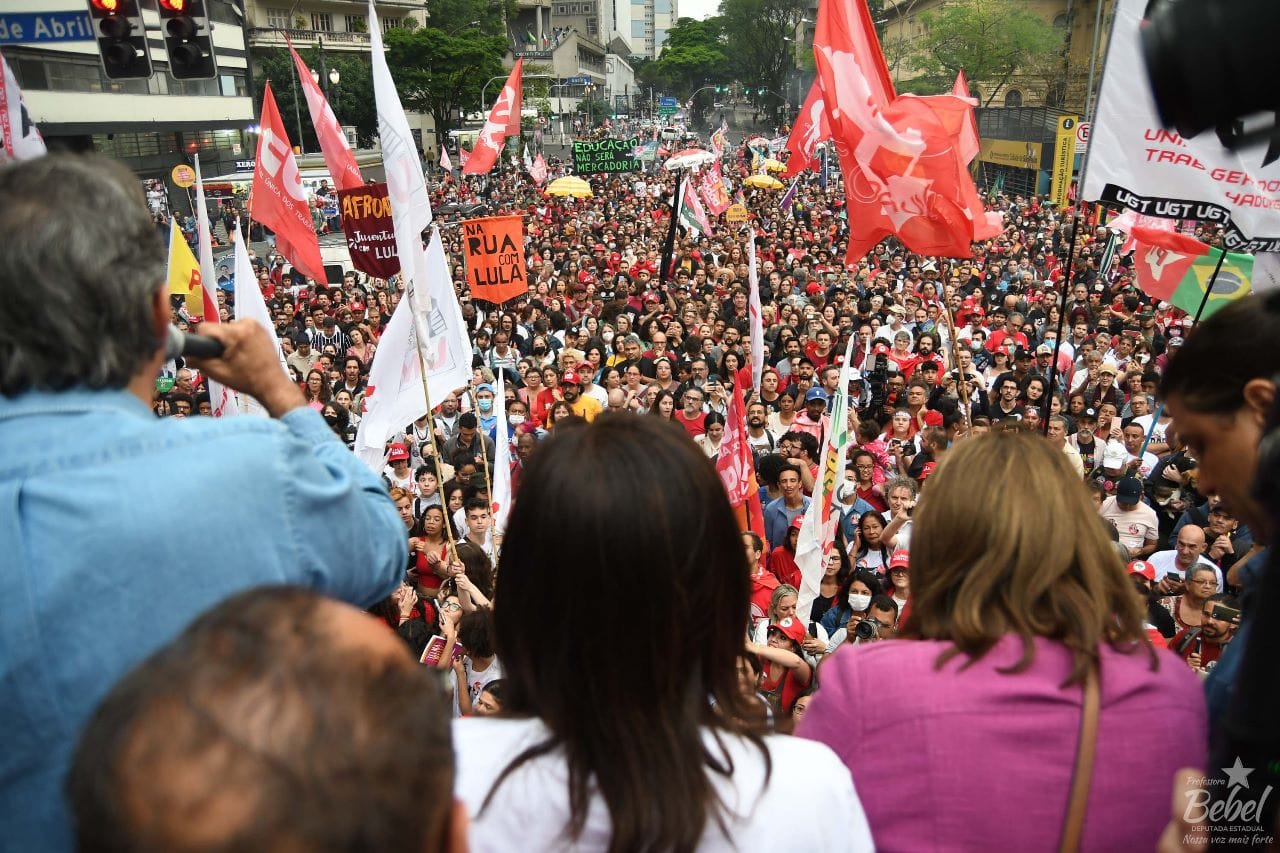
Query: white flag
[394, 396]
[757, 319]
[19, 137]
[501, 497]
[445, 162]
[817, 532]
[222, 400]
[251, 306]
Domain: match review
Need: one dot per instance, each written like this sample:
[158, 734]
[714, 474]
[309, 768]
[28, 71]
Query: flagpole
[1062, 317]
[962, 385]
[669, 246]
[1204, 300]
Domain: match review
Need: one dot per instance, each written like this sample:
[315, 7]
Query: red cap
[398, 453]
[570, 378]
[813, 289]
[900, 559]
[1142, 567]
[790, 628]
[797, 522]
[927, 471]
[932, 418]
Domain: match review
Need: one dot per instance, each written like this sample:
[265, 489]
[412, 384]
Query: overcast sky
[698, 9]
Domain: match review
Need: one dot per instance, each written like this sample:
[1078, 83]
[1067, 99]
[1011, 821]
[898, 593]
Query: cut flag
[19, 137]
[222, 400]
[539, 170]
[811, 129]
[969, 144]
[333, 142]
[1175, 268]
[184, 273]
[279, 200]
[733, 462]
[692, 214]
[503, 121]
[501, 497]
[251, 306]
[445, 162]
[902, 157]
[757, 318]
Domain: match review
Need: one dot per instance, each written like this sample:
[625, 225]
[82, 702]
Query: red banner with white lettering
[279, 201]
[371, 237]
[503, 121]
[734, 460]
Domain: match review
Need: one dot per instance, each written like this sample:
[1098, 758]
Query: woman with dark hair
[1026, 639]
[663, 405]
[853, 598]
[316, 389]
[711, 440]
[626, 740]
[873, 552]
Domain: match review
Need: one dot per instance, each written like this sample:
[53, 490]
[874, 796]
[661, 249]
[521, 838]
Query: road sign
[666, 102]
[1082, 136]
[183, 175]
[37, 27]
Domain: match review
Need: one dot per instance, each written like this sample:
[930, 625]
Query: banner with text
[1134, 162]
[494, 250]
[593, 156]
[371, 239]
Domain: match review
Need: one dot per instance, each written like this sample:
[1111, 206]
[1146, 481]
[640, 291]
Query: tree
[692, 57]
[990, 39]
[760, 39]
[351, 99]
[438, 73]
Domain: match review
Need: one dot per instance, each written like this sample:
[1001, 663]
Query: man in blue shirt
[118, 528]
[779, 513]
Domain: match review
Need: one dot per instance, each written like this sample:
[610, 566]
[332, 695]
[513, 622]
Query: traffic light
[122, 38]
[188, 39]
[761, 92]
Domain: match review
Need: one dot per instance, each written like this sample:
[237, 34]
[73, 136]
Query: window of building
[71, 76]
[662, 7]
[30, 72]
[356, 24]
[279, 18]
[562, 9]
[593, 26]
[322, 22]
[1013, 98]
[637, 29]
[389, 24]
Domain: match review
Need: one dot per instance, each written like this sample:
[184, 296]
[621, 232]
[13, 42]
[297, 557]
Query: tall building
[151, 125]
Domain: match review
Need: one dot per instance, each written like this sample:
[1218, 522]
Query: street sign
[183, 175]
[667, 106]
[1082, 136]
[37, 27]
[666, 102]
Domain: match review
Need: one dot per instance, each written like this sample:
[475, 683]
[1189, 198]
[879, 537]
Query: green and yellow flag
[1177, 269]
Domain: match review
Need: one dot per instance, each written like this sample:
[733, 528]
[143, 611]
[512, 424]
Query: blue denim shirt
[118, 528]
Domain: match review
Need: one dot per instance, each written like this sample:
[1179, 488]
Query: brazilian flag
[1234, 281]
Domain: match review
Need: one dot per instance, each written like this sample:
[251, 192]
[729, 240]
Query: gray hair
[633, 339]
[80, 263]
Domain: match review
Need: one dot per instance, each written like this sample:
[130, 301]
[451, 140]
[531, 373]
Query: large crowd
[1021, 338]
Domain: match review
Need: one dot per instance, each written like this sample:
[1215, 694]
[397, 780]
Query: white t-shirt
[1166, 564]
[476, 681]
[530, 809]
[1134, 526]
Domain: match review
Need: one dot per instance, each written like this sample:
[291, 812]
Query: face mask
[608, 337]
[486, 405]
[331, 420]
[515, 420]
[859, 603]
[539, 350]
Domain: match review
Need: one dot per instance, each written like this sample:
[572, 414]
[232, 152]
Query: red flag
[333, 142]
[969, 146]
[503, 121]
[463, 156]
[811, 127]
[734, 460]
[1162, 259]
[279, 201]
[539, 170]
[901, 156]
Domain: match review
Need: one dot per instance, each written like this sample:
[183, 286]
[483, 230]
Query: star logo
[1237, 774]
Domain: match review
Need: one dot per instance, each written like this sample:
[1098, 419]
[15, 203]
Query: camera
[878, 382]
[867, 629]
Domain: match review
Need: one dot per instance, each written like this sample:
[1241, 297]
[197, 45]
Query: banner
[500, 499]
[1135, 163]
[712, 189]
[1064, 159]
[279, 201]
[494, 251]
[733, 462]
[333, 142]
[594, 156]
[19, 137]
[371, 236]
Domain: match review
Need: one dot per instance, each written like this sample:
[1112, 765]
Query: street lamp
[457, 30]
[325, 76]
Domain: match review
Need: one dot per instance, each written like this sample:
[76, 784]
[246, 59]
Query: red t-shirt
[694, 426]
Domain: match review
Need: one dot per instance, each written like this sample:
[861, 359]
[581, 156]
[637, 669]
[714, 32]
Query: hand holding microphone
[241, 356]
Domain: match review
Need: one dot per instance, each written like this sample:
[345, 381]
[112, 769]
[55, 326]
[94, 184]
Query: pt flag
[333, 142]
[500, 500]
[503, 121]
[539, 170]
[184, 273]
[279, 201]
[19, 137]
[1134, 162]
[811, 128]
[901, 156]
[692, 214]
[493, 249]
[733, 462]
[1176, 269]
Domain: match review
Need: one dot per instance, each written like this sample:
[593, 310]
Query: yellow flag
[184, 273]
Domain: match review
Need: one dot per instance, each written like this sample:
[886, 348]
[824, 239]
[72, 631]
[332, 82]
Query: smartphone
[434, 651]
[1224, 613]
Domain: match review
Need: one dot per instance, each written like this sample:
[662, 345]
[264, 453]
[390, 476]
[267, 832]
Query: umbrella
[689, 158]
[569, 185]
[773, 165]
[757, 142]
[764, 182]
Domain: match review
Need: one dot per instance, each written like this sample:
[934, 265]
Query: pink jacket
[983, 760]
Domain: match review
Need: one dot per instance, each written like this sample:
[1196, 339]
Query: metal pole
[297, 113]
[324, 72]
[1093, 62]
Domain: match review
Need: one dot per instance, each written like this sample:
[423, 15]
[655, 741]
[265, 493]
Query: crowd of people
[958, 527]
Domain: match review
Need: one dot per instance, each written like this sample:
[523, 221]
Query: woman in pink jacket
[1017, 602]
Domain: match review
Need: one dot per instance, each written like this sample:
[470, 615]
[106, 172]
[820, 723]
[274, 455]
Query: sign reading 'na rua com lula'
[592, 156]
[494, 251]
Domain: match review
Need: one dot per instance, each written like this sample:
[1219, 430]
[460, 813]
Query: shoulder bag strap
[1082, 774]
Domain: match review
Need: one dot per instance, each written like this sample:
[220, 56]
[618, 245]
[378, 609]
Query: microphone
[186, 343]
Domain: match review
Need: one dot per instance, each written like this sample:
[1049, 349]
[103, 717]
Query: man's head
[237, 753]
[1190, 544]
[1214, 627]
[789, 480]
[1128, 493]
[86, 305]
[478, 515]
[570, 386]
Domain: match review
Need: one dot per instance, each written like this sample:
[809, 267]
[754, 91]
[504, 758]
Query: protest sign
[371, 239]
[592, 156]
[494, 250]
